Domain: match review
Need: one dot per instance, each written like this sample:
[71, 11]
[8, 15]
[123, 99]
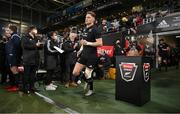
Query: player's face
[161, 42]
[89, 19]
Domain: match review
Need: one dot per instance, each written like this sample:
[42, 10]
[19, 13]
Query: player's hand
[83, 42]
[75, 46]
[38, 44]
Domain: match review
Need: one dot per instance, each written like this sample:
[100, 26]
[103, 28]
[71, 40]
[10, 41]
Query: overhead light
[177, 36]
[56, 1]
[15, 21]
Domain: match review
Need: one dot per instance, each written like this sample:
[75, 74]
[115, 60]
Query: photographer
[134, 49]
[30, 45]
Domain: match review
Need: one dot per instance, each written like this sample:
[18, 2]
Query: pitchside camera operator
[31, 46]
[88, 58]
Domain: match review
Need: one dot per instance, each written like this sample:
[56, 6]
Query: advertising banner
[109, 50]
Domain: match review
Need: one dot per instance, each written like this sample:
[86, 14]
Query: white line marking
[68, 110]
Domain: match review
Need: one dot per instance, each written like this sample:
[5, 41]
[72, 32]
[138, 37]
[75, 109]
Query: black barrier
[110, 39]
[133, 79]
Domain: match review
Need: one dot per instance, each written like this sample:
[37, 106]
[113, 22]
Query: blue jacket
[13, 50]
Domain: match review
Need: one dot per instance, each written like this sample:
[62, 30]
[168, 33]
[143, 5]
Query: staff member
[51, 60]
[30, 45]
[13, 56]
[70, 47]
[5, 69]
[88, 58]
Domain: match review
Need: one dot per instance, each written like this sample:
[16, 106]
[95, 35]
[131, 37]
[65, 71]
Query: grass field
[165, 98]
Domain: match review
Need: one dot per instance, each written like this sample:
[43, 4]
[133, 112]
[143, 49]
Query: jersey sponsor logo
[146, 71]
[128, 71]
[163, 24]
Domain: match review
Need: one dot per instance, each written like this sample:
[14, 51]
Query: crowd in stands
[138, 16]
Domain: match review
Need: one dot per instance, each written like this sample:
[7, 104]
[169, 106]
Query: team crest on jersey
[128, 71]
[146, 71]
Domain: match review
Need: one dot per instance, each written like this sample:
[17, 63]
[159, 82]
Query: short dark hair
[13, 28]
[161, 40]
[93, 14]
[52, 33]
[31, 28]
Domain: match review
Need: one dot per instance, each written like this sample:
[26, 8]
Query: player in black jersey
[88, 58]
[163, 54]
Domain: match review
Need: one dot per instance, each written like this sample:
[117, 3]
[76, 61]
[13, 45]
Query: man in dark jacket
[13, 56]
[5, 70]
[30, 45]
[51, 60]
[70, 47]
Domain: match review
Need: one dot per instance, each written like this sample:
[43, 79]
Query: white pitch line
[68, 110]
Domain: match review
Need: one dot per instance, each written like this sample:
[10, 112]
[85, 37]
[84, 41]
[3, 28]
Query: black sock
[90, 83]
[166, 67]
[159, 67]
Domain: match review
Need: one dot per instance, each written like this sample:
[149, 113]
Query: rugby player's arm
[98, 43]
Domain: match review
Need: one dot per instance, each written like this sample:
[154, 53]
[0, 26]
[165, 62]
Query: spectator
[116, 25]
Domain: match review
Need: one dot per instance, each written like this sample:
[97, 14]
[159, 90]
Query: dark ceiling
[47, 6]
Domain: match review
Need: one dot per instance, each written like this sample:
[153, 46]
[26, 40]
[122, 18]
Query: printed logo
[146, 71]
[128, 71]
[163, 24]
